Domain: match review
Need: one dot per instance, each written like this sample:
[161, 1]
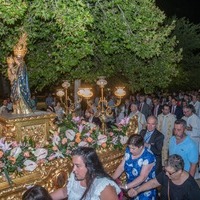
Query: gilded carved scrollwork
[133, 126]
[9, 132]
[35, 126]
[35, 132]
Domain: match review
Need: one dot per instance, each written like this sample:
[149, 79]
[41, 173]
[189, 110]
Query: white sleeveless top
[75, 190]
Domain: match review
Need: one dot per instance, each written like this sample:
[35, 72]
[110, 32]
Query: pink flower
[41, 161]
[124, 121]
[76, 119]
[83, 122]
[56, 133]
[14, 144]
[68, 152]
[26, 154]
[111, 134]
[1, 164]
[38, 146]
[64, 140]
[80, 128]
[71, 144]
[54, 148]
[52, 157]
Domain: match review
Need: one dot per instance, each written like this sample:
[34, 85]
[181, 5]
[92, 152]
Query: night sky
[181, 8]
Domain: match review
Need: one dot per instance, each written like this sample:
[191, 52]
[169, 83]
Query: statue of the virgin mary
[17, 74]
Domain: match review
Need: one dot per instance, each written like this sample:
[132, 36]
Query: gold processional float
[23, 124]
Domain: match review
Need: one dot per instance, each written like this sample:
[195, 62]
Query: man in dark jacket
[154, 141]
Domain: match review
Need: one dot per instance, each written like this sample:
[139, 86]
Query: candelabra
[103, 109]
[62, 93]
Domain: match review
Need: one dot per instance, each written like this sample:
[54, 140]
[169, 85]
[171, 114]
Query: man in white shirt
[193, 124]
[196, 105]
[165, 126]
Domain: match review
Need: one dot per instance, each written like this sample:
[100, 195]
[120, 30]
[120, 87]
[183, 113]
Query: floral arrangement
[72, 132]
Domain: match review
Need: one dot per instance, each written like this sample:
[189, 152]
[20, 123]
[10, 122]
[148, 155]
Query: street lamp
[103, 109]
[66, 101]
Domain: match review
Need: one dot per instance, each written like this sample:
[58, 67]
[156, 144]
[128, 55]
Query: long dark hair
[92, 163]
[36, 192]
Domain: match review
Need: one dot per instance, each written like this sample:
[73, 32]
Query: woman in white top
[88, 180]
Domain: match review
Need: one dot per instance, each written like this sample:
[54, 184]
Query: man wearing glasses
[175, 182]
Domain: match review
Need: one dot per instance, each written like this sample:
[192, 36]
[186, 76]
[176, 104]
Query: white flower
[83, 144]
[4, 145]
[15, 152]
[101, 139]
[40, 153]
[55, 140]
[91, 125]
[123, 139]
[57, 154]
[70, 134]
[115, 140]
[30, 165]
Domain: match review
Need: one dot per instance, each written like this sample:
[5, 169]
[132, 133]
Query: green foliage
[133, 45]
[82, 39]
[188, 36]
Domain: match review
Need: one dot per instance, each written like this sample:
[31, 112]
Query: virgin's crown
[20, 49]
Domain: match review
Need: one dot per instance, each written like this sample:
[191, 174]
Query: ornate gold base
[35, 126]
[53, 175]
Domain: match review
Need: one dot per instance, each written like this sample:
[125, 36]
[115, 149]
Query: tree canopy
[126, 40]
[188, 35]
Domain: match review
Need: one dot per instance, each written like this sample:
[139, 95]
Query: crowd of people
[89, 180]
[164, 153]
